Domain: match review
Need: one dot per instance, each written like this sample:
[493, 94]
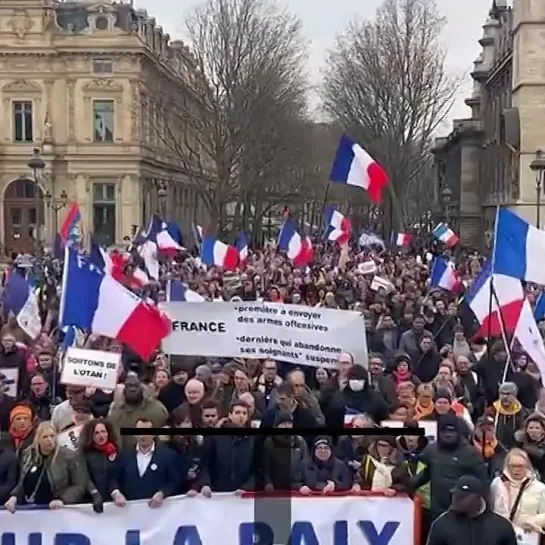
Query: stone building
[485, 161]
[75, 80]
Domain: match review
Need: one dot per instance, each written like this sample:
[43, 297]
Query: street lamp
[538, 166]
[36, 163]
[447, 196]
[162, 200]
[56, 204]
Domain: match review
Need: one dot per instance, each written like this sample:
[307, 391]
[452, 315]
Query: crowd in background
[61, 445]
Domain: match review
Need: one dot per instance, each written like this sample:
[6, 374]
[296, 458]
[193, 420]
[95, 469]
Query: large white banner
[351, 520]
[292, 333]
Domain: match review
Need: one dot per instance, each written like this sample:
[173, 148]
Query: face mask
[356, 385]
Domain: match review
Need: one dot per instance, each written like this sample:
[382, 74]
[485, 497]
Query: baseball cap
[467, 484]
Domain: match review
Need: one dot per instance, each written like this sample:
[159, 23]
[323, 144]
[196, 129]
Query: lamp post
[447, 196]
[56, 204]
[162, 200]
[36, 164]
[538, 166]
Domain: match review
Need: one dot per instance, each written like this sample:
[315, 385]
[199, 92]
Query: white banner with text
[292, 333]
[341, 520]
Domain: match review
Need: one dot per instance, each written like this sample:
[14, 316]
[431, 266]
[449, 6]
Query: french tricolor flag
[176, 290]
[444, 275]
[446, 235]
[215, 253]
[241, 244]
[169, 238]
[338, 228]
[509, 294]
[403, 239]
[93, 301]
[115, 264]
[354, 166]
[298, 249]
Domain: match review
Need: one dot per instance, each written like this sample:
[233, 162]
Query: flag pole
[326, 195]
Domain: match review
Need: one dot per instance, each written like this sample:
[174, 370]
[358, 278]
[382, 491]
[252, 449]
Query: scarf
[421, 412]
[19, 437]
[488, 449]
[108, 449]
[514, 409]
[402, 377]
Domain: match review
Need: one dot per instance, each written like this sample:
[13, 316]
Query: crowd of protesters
[424, 364]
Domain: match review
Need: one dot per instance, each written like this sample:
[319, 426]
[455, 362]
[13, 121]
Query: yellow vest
[423, 492]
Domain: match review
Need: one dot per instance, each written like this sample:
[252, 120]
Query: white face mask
[356, 385]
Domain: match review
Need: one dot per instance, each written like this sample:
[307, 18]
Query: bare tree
[236, 125]
[386, 84]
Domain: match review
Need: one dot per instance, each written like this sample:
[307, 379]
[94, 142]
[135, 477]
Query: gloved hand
[98, 503]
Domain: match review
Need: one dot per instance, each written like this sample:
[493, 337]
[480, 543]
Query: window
[22, 122]
[103, 115]
[104, 213]
[101, 23]
[102, 66]
[21, 189]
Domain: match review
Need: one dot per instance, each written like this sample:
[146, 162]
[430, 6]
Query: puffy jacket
[532, 501]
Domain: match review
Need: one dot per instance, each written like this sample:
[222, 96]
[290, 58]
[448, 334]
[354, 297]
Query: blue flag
[539, 311]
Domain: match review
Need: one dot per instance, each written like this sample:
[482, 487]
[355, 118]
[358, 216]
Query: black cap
[448, 422]
[357, 372]
[282, 417]
[467, 484]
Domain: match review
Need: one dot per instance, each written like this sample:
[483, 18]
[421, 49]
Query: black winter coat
[444, 466]
[102, 473]
[9, 474]
[366, 402]
[228, 463]
[315, 474]
[488, 527]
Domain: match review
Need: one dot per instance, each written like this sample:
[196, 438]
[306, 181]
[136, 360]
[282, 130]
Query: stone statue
[48, 128]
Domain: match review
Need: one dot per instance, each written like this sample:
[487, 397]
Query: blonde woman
[518, 495]
[50, 475]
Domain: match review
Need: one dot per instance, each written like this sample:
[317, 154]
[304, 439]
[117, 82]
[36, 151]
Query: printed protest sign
[292, 333]
[69, 438]
[9, 379]
[90, 368]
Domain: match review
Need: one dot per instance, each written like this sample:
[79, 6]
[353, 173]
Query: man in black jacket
[446, 461]
[228, 461]
[9, 469]
[469, 520]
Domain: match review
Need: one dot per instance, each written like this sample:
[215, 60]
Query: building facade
[75, 79]
[485, 161]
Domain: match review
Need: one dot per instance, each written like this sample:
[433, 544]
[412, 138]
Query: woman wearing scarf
[50, 475]
[323, 472]
[21, 428]
[518, 495]
[383, 469]
[99, 447]
[402, 373]
[424, 408]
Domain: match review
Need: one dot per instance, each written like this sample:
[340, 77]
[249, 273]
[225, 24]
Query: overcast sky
[322, 19]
